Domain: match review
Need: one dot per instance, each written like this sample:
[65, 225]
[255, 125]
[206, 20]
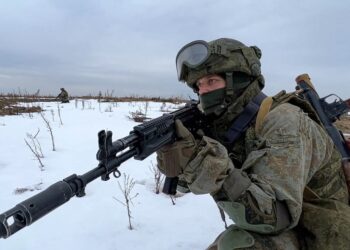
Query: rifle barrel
[142, 141]
[32, 209]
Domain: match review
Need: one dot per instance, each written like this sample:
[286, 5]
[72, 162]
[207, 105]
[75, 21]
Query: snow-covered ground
[98, 220]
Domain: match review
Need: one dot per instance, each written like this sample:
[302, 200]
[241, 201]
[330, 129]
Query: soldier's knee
[236, 238]
[233, 238]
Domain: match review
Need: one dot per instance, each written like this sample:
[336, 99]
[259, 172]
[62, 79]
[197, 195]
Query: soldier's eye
[212, 81]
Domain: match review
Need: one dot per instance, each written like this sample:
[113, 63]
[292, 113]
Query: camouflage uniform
[281, 183]
[63, 96]
[288, 153]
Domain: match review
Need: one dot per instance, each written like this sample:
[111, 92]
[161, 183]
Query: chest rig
[232, 136]
[240, 137]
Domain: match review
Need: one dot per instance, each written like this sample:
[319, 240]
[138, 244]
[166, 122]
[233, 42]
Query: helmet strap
[229, 83]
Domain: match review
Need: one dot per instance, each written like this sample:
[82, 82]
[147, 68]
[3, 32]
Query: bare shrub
[108, 96]
[140, 114]
[145, 107]
[157, 176]
[50, 130]
[9, 106]
[137, 116]
[52, 115]
[90, 105]
[109, 108]
[99, 96]
[131, 104]
[28, 188]
[36, 144]
[59, 113]
[29, 106]
[163, 107]
[126, 189]
[36, 150]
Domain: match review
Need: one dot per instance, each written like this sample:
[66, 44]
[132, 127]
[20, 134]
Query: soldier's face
[210, 83]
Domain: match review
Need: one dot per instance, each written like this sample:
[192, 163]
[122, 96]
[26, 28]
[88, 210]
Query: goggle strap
[241, 85]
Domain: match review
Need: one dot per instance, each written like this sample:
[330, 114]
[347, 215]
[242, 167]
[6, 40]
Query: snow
[97, 220]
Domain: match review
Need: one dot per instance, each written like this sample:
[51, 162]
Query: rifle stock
[142, 141]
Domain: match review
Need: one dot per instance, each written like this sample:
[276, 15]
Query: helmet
[223, 55]
[237, 63]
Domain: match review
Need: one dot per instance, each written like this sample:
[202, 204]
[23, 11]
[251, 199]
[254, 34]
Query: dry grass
[175, 100]
[8, 102]
[9, 106]
[344, 124]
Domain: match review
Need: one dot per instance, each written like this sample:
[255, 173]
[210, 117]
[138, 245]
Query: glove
[207, 171]
[173, 158]
[204, 166]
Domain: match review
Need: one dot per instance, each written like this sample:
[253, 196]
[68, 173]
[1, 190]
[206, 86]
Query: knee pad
[234, 238]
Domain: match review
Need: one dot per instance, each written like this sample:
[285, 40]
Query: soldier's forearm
[247, 214]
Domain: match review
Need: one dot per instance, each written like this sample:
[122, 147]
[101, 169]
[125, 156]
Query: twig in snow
[36, 155]
[129, 183]
[50, 130]
[59, 113]
[29, 188]
[36, 144]
[158, 177]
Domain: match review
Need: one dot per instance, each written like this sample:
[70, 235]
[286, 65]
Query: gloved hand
[173, 158]
[207, 171]
[203, 165]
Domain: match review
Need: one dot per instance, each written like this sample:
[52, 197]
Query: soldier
[63, 96]
[277, 175]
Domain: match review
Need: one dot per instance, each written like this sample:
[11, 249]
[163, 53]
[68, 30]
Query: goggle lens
[191, 55]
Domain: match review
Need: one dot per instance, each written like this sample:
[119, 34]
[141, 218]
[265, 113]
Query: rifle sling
[243, 121]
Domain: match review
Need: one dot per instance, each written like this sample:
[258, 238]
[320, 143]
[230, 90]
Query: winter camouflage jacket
[265, 194]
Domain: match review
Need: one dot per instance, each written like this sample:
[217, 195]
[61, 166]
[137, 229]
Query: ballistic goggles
[191, 55]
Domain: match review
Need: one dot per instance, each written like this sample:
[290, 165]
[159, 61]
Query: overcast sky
[129, 46]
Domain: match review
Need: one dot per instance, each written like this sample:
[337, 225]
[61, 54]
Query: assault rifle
[328, 112]
[142, 141]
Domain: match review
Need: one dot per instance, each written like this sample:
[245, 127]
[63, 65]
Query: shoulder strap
[264, 109]
[283, 97]
[242, 122]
